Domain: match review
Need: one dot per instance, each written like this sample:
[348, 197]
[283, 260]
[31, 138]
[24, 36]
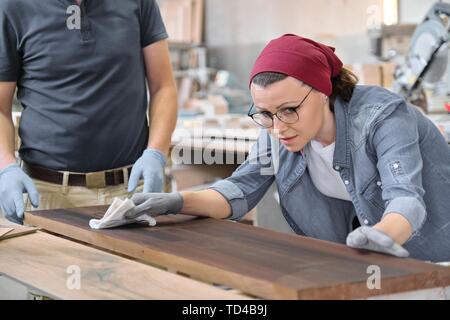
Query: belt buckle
[95, 180]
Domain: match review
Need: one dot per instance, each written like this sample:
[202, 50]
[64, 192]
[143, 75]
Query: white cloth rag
[115, 216]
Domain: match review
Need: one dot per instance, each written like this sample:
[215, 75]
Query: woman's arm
[230, 199]
[396, 142]
[395, 226]
[205, 203]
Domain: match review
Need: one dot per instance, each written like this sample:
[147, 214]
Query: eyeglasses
[286, 115]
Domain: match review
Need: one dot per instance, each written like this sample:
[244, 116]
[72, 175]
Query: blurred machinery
[424, 75]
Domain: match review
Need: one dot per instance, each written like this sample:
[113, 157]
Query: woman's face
[289, 93]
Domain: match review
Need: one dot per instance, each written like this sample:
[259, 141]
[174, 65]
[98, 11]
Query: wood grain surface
[17, 231]
[257, 261]
[46, 263]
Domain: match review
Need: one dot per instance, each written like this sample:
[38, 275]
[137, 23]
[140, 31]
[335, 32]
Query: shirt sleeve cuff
[9, 76]
[154, 38]
[234, 196]
[410, 208]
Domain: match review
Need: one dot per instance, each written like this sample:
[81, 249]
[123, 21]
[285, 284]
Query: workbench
[46, 264]
[255, 261]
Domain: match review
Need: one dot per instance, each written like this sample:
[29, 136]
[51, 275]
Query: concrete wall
[413, 11]
[237, 30]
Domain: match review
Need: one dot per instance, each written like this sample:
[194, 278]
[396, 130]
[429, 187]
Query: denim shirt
[390, 157]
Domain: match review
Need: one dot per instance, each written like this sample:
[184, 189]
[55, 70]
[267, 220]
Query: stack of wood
[183, 20]
[376, 74]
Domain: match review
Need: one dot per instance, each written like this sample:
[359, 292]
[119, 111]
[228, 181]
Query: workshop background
[374, 38]
[213, 45]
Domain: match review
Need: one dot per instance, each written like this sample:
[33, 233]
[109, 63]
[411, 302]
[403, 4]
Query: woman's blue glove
[156, 204]
[375, 240]
[13, 183]
[150, 166]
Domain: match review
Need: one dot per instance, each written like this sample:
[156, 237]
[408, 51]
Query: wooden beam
[263, 263]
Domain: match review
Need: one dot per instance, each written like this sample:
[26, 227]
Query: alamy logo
[73, 22]
[374, 280]
[74, 279]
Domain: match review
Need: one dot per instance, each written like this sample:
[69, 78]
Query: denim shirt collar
[342, 148]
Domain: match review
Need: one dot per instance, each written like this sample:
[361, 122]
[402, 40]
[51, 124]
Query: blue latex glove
[375, 240]
[13, 183]
[150, 166]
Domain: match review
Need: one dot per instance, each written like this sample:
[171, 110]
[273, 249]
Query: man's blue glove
[13, 183]
[150, 166]
[375, 240]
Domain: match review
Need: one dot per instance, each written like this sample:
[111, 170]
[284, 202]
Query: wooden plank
[17, 231]
[264, 263]
[41, 261]
[4, 231]
[177, 16]
[197, 21]
[183, 20]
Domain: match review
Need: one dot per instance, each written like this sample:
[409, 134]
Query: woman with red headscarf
[337, 151]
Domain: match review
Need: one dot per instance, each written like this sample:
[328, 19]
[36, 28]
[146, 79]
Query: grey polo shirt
[81, 79]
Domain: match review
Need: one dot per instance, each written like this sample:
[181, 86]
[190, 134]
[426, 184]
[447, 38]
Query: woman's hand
[156, 204]
[371, 238]
[387, 236]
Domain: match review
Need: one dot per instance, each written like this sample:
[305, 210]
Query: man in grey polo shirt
[81, 68]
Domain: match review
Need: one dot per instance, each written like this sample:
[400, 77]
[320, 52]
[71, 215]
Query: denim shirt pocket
[290, 172]
[372, 192]
[287, 180]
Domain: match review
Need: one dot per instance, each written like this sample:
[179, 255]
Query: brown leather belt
[99, 179]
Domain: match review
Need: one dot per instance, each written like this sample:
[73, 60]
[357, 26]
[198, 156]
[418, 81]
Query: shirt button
[379, 183]
[347, 182]
[337, 167]
[366, 221]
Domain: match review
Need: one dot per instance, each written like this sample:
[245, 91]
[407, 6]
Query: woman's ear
[327, 102]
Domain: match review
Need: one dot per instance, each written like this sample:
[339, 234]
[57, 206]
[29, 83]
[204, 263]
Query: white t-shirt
[320, 165]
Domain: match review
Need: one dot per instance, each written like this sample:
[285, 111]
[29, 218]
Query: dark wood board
[257, 261]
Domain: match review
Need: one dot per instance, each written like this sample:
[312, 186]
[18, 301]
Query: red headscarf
[304, 59]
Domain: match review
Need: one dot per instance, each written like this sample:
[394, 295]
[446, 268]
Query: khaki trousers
[62, 196]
